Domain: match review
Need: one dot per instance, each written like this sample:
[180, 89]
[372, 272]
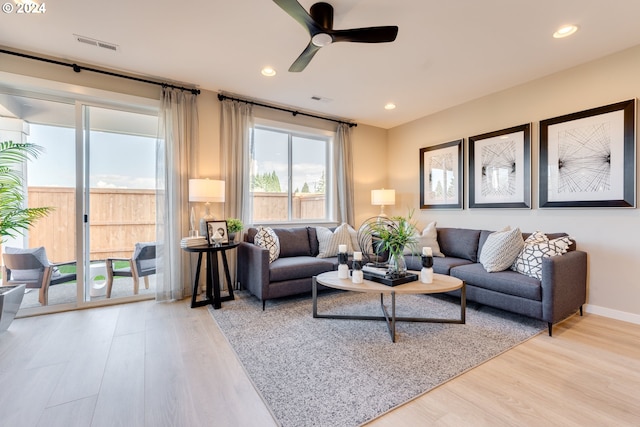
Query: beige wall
[610, 236]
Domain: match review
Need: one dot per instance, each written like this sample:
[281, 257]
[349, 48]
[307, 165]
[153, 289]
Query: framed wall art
[441, 176]
[500, 169]
[587, 159]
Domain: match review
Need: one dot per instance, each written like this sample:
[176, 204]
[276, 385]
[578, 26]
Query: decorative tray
[410, 277]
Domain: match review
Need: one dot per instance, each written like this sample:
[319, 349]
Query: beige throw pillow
[428, 238]
[501, 249]
[329, 241]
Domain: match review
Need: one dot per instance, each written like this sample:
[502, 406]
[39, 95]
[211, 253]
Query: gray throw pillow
[501, 249]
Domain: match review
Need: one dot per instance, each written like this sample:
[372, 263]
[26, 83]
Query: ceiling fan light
[390, 106]
[565, 31]
[321, 39]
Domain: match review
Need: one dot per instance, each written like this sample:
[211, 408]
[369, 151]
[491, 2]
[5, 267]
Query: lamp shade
[383, 197]
[206, 190]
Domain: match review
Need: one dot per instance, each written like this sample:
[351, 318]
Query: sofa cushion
[313, 241]
[267, 238]
[428, 238]
[293, 242]
[459, 243]
[506, 282]
[501, 249]
[299, 267]
[440, 265]
[329, 241]
[536, 247]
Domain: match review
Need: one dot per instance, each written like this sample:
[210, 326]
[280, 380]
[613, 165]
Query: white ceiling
[447, 51]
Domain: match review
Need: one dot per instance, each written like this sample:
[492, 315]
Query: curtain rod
[77, 68]
[222, 97]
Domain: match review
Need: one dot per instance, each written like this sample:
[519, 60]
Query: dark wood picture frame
[500, 169]
[588, 158]
[450, 159]
[220, 226]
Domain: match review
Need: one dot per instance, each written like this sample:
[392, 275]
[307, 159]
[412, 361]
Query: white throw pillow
[329, 241]
[536, 247]
[501, 249]
[267, 238]
[428, 238]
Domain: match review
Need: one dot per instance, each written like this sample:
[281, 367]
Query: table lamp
[207, 191]
[383, 198]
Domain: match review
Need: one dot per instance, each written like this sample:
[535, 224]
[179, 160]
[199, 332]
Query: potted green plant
[234, 225]
[14, 217]
[392, 236]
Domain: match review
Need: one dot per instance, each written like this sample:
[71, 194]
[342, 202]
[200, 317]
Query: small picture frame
[221, 228]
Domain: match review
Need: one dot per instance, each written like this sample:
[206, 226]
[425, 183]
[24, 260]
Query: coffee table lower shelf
[368, 286]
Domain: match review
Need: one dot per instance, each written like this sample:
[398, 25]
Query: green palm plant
[14, 217]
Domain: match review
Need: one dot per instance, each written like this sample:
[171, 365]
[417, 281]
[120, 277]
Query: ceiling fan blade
[297, 12]
[366, 35]
[304, 58]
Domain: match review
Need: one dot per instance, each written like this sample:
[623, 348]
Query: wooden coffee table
[441, 283]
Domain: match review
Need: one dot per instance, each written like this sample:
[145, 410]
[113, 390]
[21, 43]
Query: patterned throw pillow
[267, 238]
[536, 247]
[501, 249]
[428, 238]
[328, 241]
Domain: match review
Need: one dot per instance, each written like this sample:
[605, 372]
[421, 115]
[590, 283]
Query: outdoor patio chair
[141, 264]
[32, 267]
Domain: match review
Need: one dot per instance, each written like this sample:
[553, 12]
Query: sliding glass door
[97, 172]
[119, 200]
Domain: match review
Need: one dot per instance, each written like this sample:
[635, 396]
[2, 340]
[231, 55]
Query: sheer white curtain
[236, 123]
[177, 134]
[343, 161]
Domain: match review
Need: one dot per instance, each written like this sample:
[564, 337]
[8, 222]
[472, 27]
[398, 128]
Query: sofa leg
[580, 310]
[550, 327]
[264, 302]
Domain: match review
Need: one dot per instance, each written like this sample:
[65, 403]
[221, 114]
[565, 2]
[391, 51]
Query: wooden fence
[119, 218]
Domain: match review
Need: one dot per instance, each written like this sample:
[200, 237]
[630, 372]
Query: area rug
[331, 372]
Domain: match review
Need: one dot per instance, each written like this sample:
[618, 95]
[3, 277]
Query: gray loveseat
[561, 292]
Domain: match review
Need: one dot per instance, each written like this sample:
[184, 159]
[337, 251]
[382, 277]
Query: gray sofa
[561, 292]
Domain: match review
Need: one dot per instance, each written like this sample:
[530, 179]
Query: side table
[212, 293]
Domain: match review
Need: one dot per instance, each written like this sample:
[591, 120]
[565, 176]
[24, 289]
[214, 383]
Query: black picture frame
[442, 167]
[220, 226]
[500, 169]
[588, 158]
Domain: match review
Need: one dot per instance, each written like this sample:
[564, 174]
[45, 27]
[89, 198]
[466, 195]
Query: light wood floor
[148, 364]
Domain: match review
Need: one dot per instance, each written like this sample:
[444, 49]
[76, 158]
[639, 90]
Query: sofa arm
[564, 285]
[253, 269]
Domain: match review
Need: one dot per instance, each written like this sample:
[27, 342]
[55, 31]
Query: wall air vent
[97, 43]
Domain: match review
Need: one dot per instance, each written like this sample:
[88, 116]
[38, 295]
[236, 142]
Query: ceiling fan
[319, 24]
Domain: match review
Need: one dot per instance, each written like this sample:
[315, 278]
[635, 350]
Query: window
[288, 174]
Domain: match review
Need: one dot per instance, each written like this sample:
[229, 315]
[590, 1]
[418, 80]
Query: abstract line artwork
[587, 159]
[441, 176]
[584, 159]
[500, 169]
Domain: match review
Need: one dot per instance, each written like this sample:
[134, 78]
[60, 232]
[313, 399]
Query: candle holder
[343, 268]
[426, 274]
[357, 276]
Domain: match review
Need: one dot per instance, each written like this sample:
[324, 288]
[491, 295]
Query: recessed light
[565, 31]
[390, 106]
[268, 71]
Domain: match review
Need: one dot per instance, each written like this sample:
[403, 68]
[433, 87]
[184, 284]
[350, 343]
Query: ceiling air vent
[321, 98]
[96, 43]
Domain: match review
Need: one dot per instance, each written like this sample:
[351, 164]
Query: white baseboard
[613, 314]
